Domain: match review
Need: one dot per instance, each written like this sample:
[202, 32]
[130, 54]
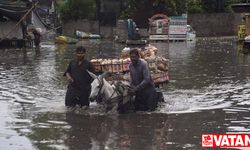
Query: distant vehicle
[178, 28]
[172, 28]
[159, 27]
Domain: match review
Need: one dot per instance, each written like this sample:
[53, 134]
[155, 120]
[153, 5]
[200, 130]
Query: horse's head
[111, 95]
[96, 85]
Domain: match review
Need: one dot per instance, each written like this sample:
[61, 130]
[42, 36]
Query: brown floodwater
[208, 92]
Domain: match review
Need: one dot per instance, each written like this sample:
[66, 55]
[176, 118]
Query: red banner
[225, 140]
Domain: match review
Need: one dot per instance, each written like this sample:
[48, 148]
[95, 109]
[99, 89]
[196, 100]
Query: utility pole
[98, 7]
[186, 1]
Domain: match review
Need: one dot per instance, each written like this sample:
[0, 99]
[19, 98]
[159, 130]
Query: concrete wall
[222, 24]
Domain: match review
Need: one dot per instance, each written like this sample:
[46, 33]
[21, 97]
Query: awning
[12, 11]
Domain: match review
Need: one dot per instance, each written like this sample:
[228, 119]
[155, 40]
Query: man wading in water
[141, 83]
[79, 87]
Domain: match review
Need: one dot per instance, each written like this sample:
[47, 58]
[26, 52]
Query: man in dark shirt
[37, 38]
[79, 87]
[142, 85]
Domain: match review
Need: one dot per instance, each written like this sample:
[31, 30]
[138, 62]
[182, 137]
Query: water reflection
[207, 64]
[131, 131]
[208, 93]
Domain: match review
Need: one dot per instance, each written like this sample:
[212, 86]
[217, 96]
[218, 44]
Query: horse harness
[99, 95]
[111, 100]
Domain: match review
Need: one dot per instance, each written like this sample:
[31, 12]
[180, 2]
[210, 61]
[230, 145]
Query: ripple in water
[212, 97]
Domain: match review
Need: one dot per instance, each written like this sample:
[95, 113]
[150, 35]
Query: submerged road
[208, 93]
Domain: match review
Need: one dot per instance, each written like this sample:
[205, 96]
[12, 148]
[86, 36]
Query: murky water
[208, 93]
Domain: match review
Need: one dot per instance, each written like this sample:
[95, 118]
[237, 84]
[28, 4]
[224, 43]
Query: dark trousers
[146, 99]
[76, 96]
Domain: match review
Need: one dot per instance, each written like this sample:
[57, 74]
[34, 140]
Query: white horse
[111, 96]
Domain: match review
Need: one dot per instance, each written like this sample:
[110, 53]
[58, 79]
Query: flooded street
[208, 92]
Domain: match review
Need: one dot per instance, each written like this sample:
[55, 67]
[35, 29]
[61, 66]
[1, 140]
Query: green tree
[194, 6]
[211, 6]
[137, 7]
[78, 9]
[218, 6]
[129, 10]
[171, 8]
[181, 6]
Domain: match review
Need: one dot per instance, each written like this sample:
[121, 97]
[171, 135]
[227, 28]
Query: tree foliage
[194, 6]
[211, 6]
[177, 7]
[77, 9]
[170, 7]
